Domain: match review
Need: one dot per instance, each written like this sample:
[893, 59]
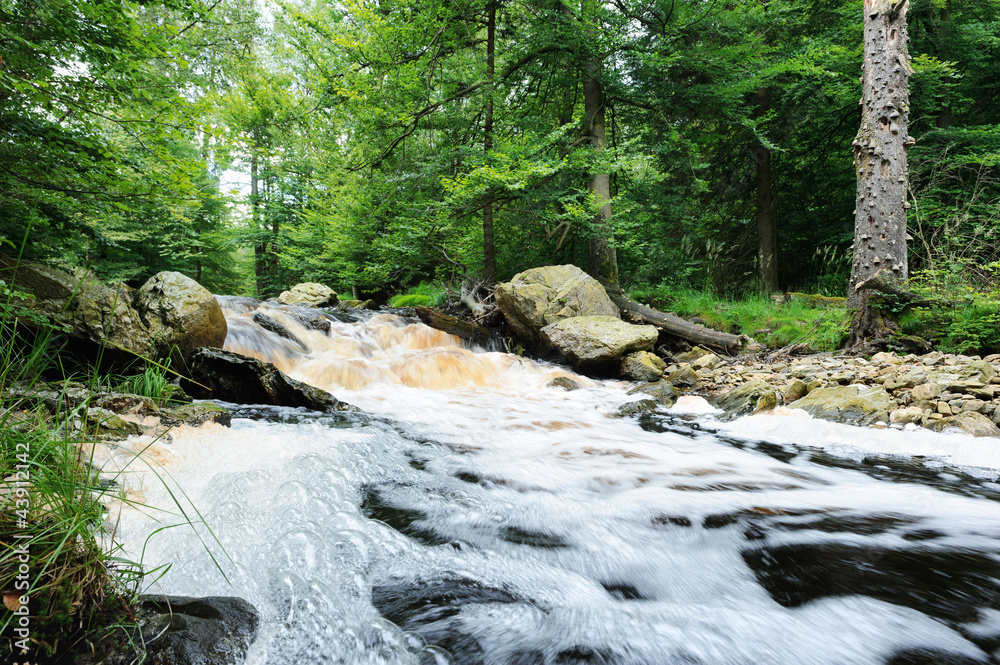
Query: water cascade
[477, 512]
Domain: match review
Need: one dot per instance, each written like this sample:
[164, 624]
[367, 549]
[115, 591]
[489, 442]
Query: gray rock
[596, 341]
[196, 414]
[909, 380]
[854, 404]
[642, 366]
[565, 383]
[926, 391]
[750, 398]
[911, 414]
[684, 376]
[637, 408]
[180, 314]
[542, 296]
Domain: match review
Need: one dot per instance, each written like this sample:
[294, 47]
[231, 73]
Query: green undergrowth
[423, 294]
[958, 317]
[66, 585]
[821, 323]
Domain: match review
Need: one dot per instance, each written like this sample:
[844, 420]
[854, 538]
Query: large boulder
[80, 305]
[309, 294]
[596, 342]
[181, 315]
[539, 297]
[224, 375]
[853, 404]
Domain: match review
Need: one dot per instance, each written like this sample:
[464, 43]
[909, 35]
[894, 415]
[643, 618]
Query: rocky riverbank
[936, 390]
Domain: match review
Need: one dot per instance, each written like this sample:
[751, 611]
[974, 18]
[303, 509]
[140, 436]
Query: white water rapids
[473, 514]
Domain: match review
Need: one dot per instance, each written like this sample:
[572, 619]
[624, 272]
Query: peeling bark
[880, 160]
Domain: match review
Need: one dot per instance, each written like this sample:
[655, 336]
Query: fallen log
[471, 332]
[676, 326]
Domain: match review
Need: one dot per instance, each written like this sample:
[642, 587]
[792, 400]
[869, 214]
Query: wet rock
[209, 631]
[854, 404]
[180, 314]
[107, 425]
[357, 304]
[969, 422]
[926, 391]
[539, 297]
[642, 366]
[662, 391]
[706, 361]
[796, 390]
[637, 408]
[746, 400]
[196, 414]
[596, 341]
[218, 374]
[267, 323]
[565, 383]
[309, 294]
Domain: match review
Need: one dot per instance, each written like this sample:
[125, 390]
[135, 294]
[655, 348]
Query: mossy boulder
[642, 366]
[970, 422]
[309, 294]
[596, 342]
[180, 314]
[854, 404]
[750, 398]
[542, 296]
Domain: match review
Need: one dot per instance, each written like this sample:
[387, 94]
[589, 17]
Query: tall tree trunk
[489, 250]
[767, 237]
[603, 257]
[944, 31]
[260, 246]
[880, 158]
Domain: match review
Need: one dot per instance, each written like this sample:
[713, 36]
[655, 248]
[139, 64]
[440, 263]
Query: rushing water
[476, 514]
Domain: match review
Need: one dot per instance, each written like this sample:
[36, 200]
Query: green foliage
[153, 382]
[775, 324]
[424, 293]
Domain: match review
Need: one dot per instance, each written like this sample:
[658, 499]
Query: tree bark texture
[603, 261]
[676, 326]
[767, 237]
[471, 332]
[489, 249]
[880, 159]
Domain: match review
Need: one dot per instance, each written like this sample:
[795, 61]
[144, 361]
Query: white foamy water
[478, 515]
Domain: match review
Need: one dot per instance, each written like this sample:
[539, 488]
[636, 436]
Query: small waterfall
[482, 514]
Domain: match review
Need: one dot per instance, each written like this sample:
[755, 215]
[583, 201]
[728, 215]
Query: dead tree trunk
[676, 326]
[880, 159]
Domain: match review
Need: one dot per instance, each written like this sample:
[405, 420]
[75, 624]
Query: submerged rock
[662, 391]
[748, 399]
[542, 296]
[854, 404]
[208, 631]
[596, 341]
[228, 376]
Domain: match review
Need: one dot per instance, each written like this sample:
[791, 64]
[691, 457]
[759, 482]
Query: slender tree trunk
[880, 158]
[603, 257]
[259, 247]
[766, 233]
[489, 250]
[944, 30]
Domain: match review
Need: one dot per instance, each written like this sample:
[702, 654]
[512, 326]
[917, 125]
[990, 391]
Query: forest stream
[472, 512]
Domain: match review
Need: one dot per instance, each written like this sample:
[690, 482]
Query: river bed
[475, 513]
